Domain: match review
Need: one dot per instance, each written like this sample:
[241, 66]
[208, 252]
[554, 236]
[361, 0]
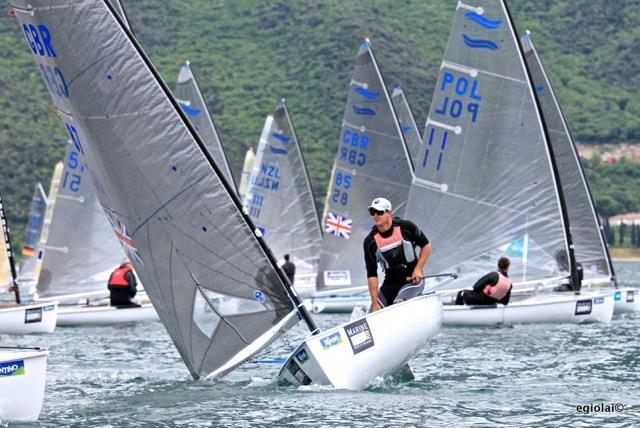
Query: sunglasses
[373, 211]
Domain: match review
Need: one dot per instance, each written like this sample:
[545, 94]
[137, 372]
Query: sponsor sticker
[332, 340]
[48, 308]
[337, 277]
[302, 356]
[259, 295]
[583, 307]
[598, 300]
[630, 296]
[33, 315]
[617, 296]
[359, 335]
[12, 368]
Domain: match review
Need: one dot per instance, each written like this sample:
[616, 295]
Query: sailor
[392, 243]
[494, 287]
[122, 285]
[289, 268]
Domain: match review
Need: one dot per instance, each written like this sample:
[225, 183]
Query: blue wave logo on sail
[483, 21]
[406, 129]
[277, 151]
[331, 340]
[479, 43]
[12, 368]
[259, 295]
[539, 89]
[190, 110]
[367, 94]
[281, 137]
[363, 111]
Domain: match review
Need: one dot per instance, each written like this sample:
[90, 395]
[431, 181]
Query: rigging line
[168, 202]
[371, 131]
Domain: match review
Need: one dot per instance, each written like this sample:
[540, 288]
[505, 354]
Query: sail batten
[154, 175]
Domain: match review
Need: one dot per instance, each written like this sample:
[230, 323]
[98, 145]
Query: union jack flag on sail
[338, 225]
[127, 241]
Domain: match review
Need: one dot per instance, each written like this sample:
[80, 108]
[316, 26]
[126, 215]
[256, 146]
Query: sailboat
[247, 168]
[190, 98]
[280, 201]
[35, 223]
[589, 243]
[22, 380]
[407, 123]
[80, 252]
[372, 160]
[487, 183]
[211, 277]
[20, 317]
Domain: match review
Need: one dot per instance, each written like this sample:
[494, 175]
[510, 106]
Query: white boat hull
[351, 355]
[22, 380]
[539, 309]
[626, 300]
[29, 318]
[77, 315]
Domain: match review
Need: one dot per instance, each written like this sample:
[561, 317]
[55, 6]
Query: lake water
[522, 375]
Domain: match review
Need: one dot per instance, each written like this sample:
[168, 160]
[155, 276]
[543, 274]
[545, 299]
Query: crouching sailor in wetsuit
[122, 285]
[392, 243]
[494, 287]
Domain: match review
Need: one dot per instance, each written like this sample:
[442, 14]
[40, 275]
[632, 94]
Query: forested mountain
[249, 54]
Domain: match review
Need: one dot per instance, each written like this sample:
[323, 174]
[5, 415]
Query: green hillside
[249, 54]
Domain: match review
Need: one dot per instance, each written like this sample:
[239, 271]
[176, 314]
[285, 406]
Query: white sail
[81, 248]
[279, 198]
[213, 283]
[247, 168]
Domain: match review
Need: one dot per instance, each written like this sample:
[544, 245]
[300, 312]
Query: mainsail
[407, 123]
[247, 168]
[279, 198]
[586, 232]
[372, 161]
[485, 181]
[32, 234]
[81, 249]
[119, 9]
[213, 283]
[189, 96]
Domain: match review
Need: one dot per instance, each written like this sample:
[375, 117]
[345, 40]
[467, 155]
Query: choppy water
[523, 375]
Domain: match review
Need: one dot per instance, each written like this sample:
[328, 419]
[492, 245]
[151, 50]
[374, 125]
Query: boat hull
[22, 380]
[541, 309]
[77, 315]
[29, 318]
[351, 355]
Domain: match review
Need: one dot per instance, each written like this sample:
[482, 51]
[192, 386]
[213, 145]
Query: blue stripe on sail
[278, 151]
[444, 145]
[363, 111]
[539, 89]
[426, 154]
[367, 94]
[190, 110]
[483, 21]
[406, 128]
[479, 43]
[281, 137]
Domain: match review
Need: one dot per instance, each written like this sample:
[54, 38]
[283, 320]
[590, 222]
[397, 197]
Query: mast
[578, 163]
[574, 275]
[302, 310]
[7, 239]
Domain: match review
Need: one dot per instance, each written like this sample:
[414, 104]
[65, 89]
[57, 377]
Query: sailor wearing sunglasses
[392, 242]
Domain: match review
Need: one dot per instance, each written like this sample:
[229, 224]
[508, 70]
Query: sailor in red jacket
[494, 287]
[122, 285]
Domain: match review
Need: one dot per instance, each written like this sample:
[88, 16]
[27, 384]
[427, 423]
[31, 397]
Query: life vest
[118, 277]
[500, 289]
[389, 247]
